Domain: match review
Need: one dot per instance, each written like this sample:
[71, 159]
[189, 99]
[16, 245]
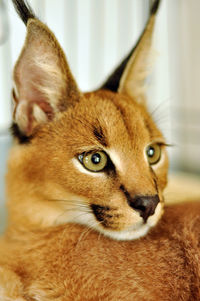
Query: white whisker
[85, 233]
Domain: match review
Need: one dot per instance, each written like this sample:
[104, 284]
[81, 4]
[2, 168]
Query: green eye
[94, 161]
[153, 153]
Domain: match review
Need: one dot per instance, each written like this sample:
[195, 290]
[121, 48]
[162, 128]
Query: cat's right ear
[43, 83]
[129, 77]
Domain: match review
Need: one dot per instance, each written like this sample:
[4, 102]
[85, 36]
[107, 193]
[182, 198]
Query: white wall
[94, 34]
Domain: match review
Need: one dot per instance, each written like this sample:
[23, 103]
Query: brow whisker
[160, 105]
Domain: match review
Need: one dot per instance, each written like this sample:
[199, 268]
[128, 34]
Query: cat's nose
[145, 205]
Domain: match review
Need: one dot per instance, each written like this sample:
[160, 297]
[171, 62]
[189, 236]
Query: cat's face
[56, 170]
[97, 158]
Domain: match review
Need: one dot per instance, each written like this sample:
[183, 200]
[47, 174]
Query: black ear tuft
[113, 81]
[24, 10]
[154, 7]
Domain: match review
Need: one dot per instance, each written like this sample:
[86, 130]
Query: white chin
[127, 234]
[135, 232]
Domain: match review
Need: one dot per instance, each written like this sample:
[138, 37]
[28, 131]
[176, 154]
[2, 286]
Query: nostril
[140, 208]
[145, 205]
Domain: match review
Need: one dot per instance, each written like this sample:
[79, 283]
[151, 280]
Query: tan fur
[71, 263]
[60, 189]
[54, 248]
[137, 69]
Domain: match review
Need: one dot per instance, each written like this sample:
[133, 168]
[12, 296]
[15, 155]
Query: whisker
[89, 229]
[85, 233]
[69, 201]
[73, 203]
[99, 236]
[162, 118]
[81, 211]
[77, 216]
[165, 102]
[160, 114]
[170, 145]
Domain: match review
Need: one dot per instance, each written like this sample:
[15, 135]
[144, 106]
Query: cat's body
[70, 262]
[86, 170]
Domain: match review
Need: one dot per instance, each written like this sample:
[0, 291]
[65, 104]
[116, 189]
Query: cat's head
[97, 158]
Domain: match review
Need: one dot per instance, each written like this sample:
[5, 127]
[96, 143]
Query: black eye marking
[105, 215]
[100, 212]
[122, 188]
[110, 168]
[98, 133]
[154, 178]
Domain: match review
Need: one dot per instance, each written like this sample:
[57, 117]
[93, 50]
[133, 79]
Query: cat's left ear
[129, 77]
[44, 85]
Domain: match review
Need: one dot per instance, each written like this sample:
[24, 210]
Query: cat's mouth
[110, 222]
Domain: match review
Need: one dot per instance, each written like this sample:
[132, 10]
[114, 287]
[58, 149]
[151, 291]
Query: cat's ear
[43, 83]
[129, 77]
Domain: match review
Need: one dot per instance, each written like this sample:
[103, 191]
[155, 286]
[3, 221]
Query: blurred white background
[96, 35]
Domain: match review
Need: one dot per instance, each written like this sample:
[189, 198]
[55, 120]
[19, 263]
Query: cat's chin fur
[135, 231]
[129, 234]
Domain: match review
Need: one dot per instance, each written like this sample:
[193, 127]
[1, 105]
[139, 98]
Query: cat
[107, 160]
[85, 185]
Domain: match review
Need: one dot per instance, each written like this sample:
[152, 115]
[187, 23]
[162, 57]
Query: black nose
[145, 205]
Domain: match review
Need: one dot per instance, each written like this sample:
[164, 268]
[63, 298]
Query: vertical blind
[97, 34]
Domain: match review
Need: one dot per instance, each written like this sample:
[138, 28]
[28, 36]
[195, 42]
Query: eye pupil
[96, 158]
[151, 152]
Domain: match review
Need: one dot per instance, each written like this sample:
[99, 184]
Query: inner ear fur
[43, 83]
[129, 77]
